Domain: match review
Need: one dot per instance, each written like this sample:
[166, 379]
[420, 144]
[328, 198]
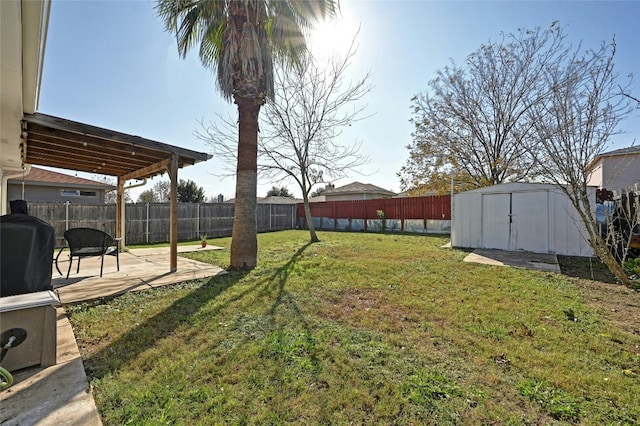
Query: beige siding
[595, 178]
[620, 171]
[51, 194]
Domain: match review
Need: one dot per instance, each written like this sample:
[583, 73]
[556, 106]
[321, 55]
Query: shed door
[530, 217]
[495, 221]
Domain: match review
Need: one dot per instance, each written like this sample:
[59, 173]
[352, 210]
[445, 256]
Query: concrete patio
[140, 269]
[60, 394]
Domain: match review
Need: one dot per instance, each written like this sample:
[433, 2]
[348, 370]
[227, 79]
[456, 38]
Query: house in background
[615, 169]
[271, 200]
[49, 186]
[357, 191]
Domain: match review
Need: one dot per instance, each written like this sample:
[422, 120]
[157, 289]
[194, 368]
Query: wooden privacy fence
[411, 214]
[623, 227]
[149, 223]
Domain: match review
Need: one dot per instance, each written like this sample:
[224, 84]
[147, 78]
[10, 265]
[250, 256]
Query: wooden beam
[62, 124]
[120, 211]
[156, 168]
[172, 169]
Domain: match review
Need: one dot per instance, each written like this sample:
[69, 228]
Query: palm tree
[242, 38]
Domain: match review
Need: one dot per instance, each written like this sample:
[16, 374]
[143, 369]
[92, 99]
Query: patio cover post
[172, 170]
[120, 209]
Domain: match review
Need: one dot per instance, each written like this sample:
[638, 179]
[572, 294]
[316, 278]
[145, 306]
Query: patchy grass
[364, 329]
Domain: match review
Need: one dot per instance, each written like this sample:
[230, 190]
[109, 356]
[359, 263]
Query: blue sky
[110, 64]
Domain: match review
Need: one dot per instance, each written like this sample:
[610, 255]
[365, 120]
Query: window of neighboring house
[77, 193]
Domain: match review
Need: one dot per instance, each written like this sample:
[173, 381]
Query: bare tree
[162, 189]
[573, 125]
[633, 98]
[110, 196]
[473, 121]
[301, 125]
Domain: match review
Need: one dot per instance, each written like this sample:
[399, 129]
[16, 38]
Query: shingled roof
[37, 176]
[622, 151]
[630, 150]
[359, 188]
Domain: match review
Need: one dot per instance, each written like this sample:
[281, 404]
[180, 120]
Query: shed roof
[513, 187]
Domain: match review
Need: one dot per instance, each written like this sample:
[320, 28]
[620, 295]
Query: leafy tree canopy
[148, 196]
[279, 192]
[190, 192]
[319, 191]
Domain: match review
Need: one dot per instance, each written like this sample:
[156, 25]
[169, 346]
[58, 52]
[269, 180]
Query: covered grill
[26, 252]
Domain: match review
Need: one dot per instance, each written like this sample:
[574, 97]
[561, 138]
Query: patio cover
[58, 142]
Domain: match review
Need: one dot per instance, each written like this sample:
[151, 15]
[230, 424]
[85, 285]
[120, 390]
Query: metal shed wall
[518, 216]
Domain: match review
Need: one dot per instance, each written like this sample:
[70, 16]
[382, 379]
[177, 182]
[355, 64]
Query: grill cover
[26, 254]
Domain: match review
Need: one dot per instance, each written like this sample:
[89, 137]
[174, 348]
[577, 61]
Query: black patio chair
[89, 242]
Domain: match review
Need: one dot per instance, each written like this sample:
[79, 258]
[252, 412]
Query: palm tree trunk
[244, 241]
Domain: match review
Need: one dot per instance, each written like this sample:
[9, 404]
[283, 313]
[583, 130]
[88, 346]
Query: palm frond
[241, 38]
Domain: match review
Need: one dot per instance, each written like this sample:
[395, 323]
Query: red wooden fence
[425, 208]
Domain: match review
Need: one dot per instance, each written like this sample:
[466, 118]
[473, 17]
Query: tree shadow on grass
[278, 281]
[586, 268]
[126, 348]
[117, 354]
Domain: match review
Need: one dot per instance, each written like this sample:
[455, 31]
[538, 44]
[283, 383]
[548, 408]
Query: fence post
[66, 215]
[294, 215]
[364, 213]
[147, 225]
[198, 221]
[270, 217]
[335, 219]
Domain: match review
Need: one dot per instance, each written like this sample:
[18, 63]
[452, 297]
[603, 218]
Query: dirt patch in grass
[616, 302]
[368, 308]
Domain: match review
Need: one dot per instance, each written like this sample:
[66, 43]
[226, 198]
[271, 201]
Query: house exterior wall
[531, 217]
[620, 171]
[55, 194]
[595, 178]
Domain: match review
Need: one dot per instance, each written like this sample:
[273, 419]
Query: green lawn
[363, 329]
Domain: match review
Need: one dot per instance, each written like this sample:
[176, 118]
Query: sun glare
[332, 37]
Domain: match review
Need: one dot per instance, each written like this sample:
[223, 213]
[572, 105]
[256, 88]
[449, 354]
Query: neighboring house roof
[631, 150]
[44, 177]
[406, 194]
[278, 200]
[318, 199]
[271, 200]
[358, 188]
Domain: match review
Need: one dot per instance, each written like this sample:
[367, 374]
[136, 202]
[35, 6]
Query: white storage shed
[519, 216]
